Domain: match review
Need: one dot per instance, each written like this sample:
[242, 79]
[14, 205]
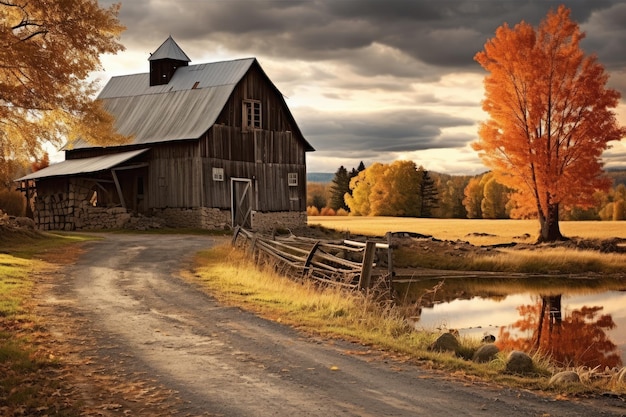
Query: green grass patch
[29, 383]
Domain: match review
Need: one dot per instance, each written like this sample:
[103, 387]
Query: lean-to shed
[213, 145]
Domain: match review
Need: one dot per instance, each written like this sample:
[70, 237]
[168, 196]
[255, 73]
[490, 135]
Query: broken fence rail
[347, 263]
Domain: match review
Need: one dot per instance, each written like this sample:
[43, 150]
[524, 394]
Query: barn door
[241, 206]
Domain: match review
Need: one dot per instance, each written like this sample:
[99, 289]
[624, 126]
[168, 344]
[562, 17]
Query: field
[476, 231]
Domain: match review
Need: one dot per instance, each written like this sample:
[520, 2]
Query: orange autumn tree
[550, 117]
[49, 49]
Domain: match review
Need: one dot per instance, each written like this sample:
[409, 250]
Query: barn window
[251, 114]
[218, 174]
[292, 179]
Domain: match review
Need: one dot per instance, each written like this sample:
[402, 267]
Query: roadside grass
[29, 383]
[229, 275]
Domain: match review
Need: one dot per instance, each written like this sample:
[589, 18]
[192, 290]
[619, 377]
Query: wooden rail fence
[346, 263]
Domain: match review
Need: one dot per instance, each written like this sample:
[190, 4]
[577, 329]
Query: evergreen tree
[338, 189]
[428, 193]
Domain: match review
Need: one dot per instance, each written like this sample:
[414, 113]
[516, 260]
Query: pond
[577, 322]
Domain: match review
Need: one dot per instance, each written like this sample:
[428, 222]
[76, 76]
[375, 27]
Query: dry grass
[230, 276]
[549, 260]
[500, 231]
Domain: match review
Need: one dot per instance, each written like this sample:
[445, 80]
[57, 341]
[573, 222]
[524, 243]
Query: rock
[447, 342]
[565, 377]
[485, 353]
[519, 363]
[489, 338]
[25, 222]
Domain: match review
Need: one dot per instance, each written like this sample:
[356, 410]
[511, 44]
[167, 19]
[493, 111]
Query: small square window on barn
[292, 179]
[218, 174]
[251, 115]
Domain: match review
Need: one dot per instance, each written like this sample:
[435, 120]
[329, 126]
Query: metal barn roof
[183, 109]
[83, 165]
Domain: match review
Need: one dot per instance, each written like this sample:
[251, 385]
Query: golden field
[499, 231]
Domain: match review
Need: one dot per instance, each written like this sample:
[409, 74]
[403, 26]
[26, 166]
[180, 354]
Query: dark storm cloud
[444, 34]
[344, 47]
[392, 131]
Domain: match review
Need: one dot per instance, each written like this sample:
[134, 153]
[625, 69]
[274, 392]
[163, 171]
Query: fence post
[235, 234]
[309, 258]
[368, 264]
[389, 257]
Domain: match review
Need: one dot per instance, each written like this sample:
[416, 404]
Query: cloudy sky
[368, 80]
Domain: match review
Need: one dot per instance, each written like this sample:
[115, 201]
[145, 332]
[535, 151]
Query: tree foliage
[550, 117]
[429, 195]
[386, 190]
[338, 189]
[450, 190]
[473, 198]
[49, 48]
[317, 195]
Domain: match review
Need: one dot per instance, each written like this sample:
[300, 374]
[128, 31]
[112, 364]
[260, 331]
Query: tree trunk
[550, 230]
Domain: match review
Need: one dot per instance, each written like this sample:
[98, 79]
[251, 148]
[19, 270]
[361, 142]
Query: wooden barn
[213, 145]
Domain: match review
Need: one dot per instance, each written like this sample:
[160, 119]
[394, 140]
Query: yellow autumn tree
[386, 190]
[49, 49]
[550, 117]
[361, 186]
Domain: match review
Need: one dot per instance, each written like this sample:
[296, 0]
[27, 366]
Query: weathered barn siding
[256, 86]
[175, 176]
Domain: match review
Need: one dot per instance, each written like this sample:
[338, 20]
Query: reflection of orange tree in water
[578, 339]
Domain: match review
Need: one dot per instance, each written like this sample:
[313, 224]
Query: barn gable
[218, 138]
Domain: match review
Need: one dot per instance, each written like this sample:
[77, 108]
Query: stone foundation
[194, 218]
[71, 210]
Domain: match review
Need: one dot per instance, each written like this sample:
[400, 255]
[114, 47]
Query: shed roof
[83, 165]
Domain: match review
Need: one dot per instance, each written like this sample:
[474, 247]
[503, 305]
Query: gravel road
[149, 326]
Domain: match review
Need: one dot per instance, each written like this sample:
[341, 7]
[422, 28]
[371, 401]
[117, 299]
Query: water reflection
[578, 339]
[576, 322]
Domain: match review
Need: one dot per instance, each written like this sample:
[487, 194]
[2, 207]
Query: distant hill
[618, 176]
[319, 177]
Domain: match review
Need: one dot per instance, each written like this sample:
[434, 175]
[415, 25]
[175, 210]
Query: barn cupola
[165, 60]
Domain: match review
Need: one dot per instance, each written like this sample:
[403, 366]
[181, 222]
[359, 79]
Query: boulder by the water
[565, 377]
[519, 363]
[447, 342]
[485, 353]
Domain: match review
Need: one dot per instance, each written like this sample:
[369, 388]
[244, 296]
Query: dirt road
[173, 350]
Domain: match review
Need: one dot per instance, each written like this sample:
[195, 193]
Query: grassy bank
[228, 274]
[31, 380]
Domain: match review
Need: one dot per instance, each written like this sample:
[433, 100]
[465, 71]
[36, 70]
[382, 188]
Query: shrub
[327, 211]
[312, 211]
[342, 212]
[12, 202]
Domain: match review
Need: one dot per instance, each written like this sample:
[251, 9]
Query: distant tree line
[404, 189]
